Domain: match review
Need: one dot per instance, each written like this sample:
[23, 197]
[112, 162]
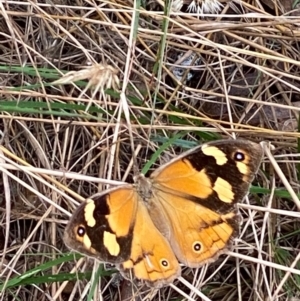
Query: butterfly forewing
[197, 192]
[103, 226]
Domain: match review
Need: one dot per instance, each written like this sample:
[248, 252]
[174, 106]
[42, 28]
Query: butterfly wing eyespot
[239, 156]
[80, 231]
[197, 247]
[164, 263]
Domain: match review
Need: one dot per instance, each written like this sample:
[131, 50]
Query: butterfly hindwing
[152, 258]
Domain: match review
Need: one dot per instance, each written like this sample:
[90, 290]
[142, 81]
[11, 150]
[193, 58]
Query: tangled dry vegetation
[82, 80]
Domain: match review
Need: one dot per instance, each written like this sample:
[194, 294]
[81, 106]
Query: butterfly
[185, 212]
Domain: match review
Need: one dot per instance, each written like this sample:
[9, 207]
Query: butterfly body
[184, 212]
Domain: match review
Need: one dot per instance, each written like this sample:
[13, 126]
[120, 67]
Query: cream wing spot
[111, 244]
[86, 242]
[224, 190]
[228, 216]
[243, 168]
[215, 152]
[89, 213]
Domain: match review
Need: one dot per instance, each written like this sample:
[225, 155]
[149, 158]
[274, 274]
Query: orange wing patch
[182, 177]
[122, 206]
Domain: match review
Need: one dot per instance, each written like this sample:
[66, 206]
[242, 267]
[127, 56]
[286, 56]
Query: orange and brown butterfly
[185, 212]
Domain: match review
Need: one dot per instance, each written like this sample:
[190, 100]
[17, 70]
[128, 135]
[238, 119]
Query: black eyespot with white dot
[81, 231]
[197, 246]
[239, 156]
[164, 262]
